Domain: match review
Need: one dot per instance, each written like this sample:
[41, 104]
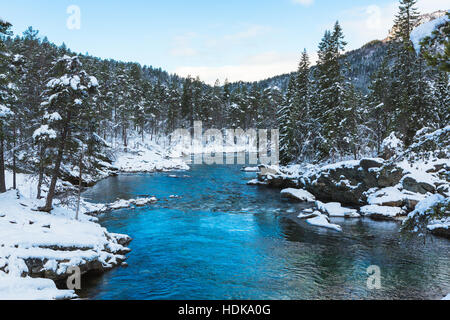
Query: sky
[246, 40]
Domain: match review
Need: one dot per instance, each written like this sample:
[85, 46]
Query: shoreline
[35, 262]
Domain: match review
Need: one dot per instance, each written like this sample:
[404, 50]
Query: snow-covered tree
[5, 112]
[65, 100]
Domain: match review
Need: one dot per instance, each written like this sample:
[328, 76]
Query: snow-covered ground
[36, 247]
[149, 157]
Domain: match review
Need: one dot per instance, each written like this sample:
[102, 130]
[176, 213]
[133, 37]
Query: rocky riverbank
[38, 250]
[413, 186]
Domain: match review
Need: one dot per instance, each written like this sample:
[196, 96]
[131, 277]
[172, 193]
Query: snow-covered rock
[44, 246]
[394, 197]
[322, 221]
[381, 213]
[250, 169]
[256, 182]
[297, 195]
[432, 214]
[335, 209]
[447, 298]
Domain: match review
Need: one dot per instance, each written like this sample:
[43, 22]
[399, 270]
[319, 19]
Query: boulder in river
[299, 195]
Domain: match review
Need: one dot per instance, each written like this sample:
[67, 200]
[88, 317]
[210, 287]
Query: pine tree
[380, 104]
[328, 110]
[65, 100]
[5, 112]
[442, 99]
[403, 73]
[295, 116]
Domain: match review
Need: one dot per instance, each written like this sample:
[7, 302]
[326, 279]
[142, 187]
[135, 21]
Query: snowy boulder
[322, 221]
[387, 197]
[440, 227]
[335, 209]
[419, 184]
[368, 163]
[447, 298]
[297, 195]
[144, 201]
[256, 182]
[431, 215]
[308, 215]
[250, 169]
[381, 213]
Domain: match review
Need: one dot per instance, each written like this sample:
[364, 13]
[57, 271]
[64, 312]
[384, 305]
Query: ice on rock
[322, 221]
[374, 211]
[298, 195]
[335, 209]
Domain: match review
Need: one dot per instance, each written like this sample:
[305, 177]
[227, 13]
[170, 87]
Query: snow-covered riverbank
[37, 249]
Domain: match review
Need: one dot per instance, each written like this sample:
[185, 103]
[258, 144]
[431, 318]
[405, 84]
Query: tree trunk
[41, 171]
[124, 136]
[2, 162]
[80, 183]
[51, 192]
[14, 157]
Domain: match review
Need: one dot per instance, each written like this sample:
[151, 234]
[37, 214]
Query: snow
[381, 211]
[323, 221]
[298, 194]
[443, 223]
[52, 117]
[447, 298]
[147, 158]
[335, 209]
[392, 143]
[256, 182]
[426, 204]
[93, 81]
[426, 30]
[344, 164]
[31, 289]
[5, 112]
[44, 131]
[57, 240]
[250, 169]
[392, 196]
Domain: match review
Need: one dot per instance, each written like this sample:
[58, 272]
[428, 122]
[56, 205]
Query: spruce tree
[5, 112]
[65, 101]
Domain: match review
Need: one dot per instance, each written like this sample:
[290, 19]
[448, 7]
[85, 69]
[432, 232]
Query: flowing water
[222, 239]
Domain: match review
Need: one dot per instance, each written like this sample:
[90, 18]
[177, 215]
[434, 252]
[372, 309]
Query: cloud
[182, 45]
[363, 24]
[305, 3]
[250, 32]
[252, 68]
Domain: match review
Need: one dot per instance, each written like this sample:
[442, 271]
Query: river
[222, 239]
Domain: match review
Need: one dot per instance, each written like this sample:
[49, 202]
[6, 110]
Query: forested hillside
[57, 105]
